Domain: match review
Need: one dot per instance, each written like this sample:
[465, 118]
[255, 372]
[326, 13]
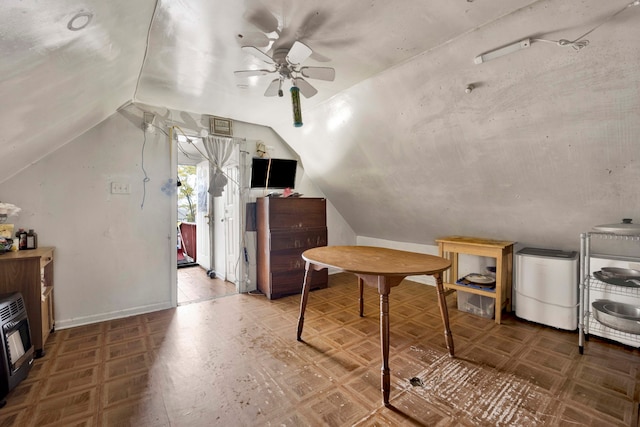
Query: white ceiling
[544, 146]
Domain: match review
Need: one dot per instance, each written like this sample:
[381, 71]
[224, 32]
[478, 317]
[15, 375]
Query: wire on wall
[146, 49]
[262, 151]
[266, 185]
[146, 176]
[185, 153]
[579, 43]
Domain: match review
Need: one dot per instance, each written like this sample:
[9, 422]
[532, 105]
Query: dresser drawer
[291, 282]
[295, 212]
[286, 227]
[287, 260]
[280, 240]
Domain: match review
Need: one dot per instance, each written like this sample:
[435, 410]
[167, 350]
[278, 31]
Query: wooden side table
[380, 268]
[502, 251]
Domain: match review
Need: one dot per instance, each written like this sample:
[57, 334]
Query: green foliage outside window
[186, 193]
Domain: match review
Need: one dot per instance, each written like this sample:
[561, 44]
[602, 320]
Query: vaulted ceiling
[544, 144]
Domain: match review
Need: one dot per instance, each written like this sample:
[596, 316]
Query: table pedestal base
[384, 285]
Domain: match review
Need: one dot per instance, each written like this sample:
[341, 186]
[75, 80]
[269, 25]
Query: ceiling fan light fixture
[286, 66]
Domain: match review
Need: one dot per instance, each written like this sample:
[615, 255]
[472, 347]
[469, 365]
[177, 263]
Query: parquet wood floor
[234, 361]
[195, 286]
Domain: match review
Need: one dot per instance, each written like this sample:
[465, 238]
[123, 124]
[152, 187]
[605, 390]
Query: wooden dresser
[30, 272]
[287, 227]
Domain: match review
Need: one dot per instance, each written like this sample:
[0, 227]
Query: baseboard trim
[96, 318]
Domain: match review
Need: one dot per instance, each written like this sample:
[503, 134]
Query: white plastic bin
[546, 287]
[479, 305]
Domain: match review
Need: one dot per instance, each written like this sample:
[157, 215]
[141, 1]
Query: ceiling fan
[286, 64]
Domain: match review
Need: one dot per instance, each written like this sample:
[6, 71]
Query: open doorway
[197, 279]
[187, 206]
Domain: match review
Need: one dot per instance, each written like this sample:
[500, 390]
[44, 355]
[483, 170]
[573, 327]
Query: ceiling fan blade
[305, 88]
[253, 38]
[273, 88]
[189, 121]
[320, 73]
[258, 54]
[261, 17]
[319, 57]
[250, 73]
[298, 53]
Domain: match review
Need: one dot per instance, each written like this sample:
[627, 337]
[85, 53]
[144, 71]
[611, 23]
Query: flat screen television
[282, 173]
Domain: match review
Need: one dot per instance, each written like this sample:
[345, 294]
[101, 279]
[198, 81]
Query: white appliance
[546, 287]
[624, 295]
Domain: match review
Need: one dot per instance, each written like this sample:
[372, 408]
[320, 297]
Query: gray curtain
[219, 150]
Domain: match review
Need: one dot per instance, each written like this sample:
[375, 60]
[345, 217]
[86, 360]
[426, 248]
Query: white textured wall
[544, 148]
[112, 257]
[115, 257]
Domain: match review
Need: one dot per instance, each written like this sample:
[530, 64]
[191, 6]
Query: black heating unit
[16, 354]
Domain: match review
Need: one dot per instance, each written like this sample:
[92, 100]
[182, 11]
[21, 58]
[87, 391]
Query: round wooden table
[383, 269]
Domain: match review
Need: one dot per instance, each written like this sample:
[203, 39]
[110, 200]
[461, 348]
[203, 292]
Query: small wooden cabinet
[30, 272]
[502, 251]
[287, 227]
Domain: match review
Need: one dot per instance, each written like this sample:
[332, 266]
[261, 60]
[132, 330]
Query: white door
[203, 239]
[219, 265]
[232, 225]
